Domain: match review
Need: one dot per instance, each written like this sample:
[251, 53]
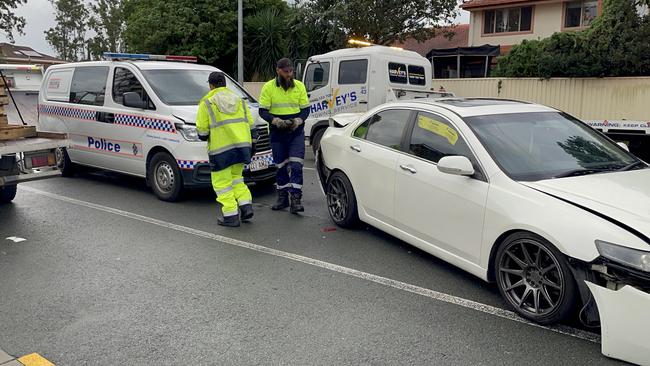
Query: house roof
[10, 53]
[460, 38]
[475, 4]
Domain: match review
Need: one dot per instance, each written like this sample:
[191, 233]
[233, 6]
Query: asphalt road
[109, 275]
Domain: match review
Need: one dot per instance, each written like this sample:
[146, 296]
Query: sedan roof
[469, 107]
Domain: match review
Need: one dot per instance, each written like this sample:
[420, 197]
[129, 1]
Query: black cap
[284, 63]
[217, 78]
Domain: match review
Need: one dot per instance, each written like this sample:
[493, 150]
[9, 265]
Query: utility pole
[240, 42]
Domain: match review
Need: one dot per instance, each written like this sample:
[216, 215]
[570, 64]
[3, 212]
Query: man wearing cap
[284, 104]
[225, 122]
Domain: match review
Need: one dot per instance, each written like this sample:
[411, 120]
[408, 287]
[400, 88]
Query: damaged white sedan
[554, 212]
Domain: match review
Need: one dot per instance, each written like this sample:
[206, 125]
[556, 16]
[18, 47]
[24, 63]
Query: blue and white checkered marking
[189, 164]
[120, 119]
[144, 122]
[68, 112]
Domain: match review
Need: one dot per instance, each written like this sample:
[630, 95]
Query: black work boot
[282, 202]
[246, 212]
[230, 221]
[296, 205]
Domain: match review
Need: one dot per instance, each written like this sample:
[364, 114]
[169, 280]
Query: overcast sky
[39, 15]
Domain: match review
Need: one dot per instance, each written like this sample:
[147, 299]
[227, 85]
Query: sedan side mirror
[134, 100]
[456, 165]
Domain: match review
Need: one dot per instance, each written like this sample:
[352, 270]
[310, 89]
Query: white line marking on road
[15, 239]
[305, 168]
[435, 295]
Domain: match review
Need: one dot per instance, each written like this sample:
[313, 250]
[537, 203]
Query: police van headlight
[188, 132]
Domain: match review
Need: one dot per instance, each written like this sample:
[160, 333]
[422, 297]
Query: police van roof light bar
[113, 56]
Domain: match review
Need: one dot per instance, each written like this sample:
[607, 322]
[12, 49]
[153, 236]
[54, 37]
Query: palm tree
[266, 42]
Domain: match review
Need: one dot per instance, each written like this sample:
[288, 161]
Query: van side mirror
[456, 165]
[133, 100]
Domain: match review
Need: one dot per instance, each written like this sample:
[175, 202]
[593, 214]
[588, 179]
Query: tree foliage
[384, 22]
[206, 29]
[616, 44]
[272, 29]
[108, 23]
[9, 21]
[265, 43]
[68, 37]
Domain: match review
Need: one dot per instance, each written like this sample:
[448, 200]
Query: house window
[508, 20]
[580, 13]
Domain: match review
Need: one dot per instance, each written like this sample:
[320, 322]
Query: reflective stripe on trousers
[231, 190]
[289, 154]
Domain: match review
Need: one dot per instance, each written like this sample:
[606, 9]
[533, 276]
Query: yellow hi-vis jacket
[226, 119]
[282, 102]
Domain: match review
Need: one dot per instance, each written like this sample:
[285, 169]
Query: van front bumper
[200, 175]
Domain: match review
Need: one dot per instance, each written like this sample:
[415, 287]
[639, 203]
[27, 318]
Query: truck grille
[264, 140]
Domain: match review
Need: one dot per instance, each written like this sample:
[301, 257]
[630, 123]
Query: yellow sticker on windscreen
[439, 128]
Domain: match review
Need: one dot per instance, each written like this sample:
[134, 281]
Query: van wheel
[8, 193]
[67, 167]
[315, 142]
[165, 177]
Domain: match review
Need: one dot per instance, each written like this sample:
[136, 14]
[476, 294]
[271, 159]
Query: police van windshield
[185, 87]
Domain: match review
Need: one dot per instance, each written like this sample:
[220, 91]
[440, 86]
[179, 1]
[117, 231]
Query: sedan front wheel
[341, 200]
[535, 279]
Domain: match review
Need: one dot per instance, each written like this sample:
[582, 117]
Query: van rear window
[397, 73]
[416, 75]
[89, 85]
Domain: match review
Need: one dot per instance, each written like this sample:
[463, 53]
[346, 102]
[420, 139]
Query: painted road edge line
[435, 295]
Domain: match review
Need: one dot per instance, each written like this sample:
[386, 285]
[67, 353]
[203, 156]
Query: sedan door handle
[355, 148]
[408, 169]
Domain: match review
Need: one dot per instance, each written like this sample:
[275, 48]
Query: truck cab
[354, 80]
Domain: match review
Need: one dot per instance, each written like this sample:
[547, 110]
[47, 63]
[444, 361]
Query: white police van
[135, 114]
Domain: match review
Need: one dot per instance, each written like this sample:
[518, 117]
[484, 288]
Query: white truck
[25, 153]
[354, 80]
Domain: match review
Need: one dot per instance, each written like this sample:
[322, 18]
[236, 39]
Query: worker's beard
[286, 83]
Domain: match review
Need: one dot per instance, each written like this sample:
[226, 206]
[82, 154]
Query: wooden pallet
[15, 132]
[4, 100]
[7, 131]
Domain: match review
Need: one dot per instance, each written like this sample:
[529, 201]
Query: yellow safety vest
[282, 102]
[228, 128]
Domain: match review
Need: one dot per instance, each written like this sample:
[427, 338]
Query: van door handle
[363, 102]
[355, 148]
[408, 169]
[105, 117]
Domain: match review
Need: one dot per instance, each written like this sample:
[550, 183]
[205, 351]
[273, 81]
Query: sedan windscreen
[543, 145]
[185, 87]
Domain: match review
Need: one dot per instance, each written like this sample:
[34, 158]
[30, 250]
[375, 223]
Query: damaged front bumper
[624, 322]
[619, 300]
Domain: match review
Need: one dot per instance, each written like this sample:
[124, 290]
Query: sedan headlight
[188, 132]
[633, 258]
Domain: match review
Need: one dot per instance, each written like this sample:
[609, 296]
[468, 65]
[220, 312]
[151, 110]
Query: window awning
[485, 50]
